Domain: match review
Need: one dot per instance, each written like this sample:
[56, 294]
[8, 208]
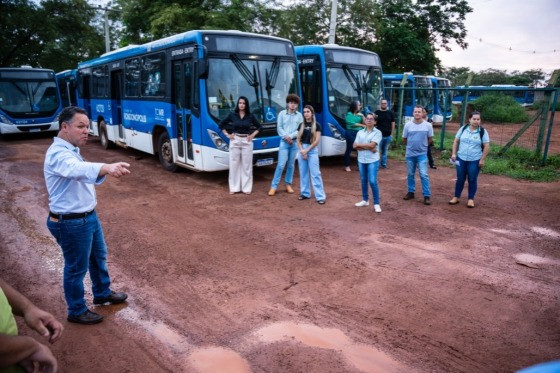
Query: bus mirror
[202, 64]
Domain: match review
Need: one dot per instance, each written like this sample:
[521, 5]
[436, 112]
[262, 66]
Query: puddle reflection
[218, 359]
[363, 357]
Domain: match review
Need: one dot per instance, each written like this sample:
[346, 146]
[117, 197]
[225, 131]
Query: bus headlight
[218, 141]
[3, 119]
[335, 132]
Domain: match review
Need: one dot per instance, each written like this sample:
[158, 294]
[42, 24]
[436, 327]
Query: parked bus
[412, 97]
[29, 100]
[524, 95]
[168, 96]
[68, 87]
[331, 78]
[440, 98]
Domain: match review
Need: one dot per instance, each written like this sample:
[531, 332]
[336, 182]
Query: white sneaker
[377, 208]
[362, 204]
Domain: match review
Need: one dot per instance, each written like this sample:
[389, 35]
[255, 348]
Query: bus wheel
[165, 153]
[105, 143]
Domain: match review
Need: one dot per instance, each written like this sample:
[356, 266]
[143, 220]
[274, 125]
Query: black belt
[241, 134]
[70, 216]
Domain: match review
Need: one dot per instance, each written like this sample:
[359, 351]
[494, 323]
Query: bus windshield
[346, 84]
[265, 83]
[424, 97]
[25, 98]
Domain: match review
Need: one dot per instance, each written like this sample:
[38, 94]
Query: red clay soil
[252, 283]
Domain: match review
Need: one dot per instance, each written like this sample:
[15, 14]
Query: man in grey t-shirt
[417, 136]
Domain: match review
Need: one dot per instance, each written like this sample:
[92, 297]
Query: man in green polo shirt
[20, 353]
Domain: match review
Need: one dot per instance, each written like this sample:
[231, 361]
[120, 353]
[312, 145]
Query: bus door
[182, 98]
[116, 100]
[85, 92]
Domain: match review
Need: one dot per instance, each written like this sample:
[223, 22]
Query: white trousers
[240, 165]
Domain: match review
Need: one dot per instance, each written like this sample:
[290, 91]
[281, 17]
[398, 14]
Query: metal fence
[535, 134]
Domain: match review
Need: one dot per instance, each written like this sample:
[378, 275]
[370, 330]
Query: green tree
[20, 41]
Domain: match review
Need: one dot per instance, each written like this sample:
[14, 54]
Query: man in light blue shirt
[417, 136]
[288, 122]
[72, 218]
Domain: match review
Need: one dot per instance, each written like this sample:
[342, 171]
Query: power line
[511, 49]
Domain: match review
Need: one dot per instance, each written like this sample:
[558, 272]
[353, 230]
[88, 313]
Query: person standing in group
[470, 148]
[240, 127]
[288, 122]
[21, 353]
[430, 146]
[308, 138]
[386, 124]
[72, 218]
[355, 121]
[367, 141]
[417, 135]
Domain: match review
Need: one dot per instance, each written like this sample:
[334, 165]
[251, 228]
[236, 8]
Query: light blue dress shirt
[470, 148]
[365, 137]
[288, 123]
[70, 179]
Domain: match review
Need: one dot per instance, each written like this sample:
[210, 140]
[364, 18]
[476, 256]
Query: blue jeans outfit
[420, 161]
[311, 166]
[368, 173]
[83, 247]
[350, 136]
[385, 142]
[467, 170]
[286, 154]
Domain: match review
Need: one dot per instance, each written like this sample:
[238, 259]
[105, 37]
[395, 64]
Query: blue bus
[419, 93]
[68, 87]
[29, 100]
[331, 78]
[523, 95]
[442, 99]
[168, 96]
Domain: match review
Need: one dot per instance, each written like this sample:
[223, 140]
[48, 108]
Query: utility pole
[332, 28]
[106, 19]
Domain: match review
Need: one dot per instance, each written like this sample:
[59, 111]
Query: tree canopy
[458, 76]
[405, 33]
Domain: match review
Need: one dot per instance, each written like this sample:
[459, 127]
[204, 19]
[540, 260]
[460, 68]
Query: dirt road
[254, 283]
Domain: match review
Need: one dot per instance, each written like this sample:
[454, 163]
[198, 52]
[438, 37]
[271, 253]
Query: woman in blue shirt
[308, 138]
[470, 149]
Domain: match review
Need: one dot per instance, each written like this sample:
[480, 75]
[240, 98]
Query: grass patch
[517, 163]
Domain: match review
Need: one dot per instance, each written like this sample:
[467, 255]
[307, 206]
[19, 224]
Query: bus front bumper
[9, 128]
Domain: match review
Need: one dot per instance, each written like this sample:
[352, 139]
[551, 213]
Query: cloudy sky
[531, 28]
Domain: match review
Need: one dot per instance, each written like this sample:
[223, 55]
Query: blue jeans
[470, 170]
[350, 136]
[385, 142]
[286, 154]
[368, 173]
[422, 162]
[310, 166]
[83, 247]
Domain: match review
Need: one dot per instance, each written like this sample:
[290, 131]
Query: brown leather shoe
[271, 192]
[86, 318]
[289, 188]
[408, 196]
[470, 203]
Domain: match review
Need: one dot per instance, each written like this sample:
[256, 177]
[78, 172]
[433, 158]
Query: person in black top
[240, 127]
[386, 124]
[430, 146]
[308, 138]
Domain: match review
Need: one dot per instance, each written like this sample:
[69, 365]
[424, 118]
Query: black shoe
[427, 201]
[408, 196]
[113, 298]
[86, 318]
[433, 167]
[302, 197]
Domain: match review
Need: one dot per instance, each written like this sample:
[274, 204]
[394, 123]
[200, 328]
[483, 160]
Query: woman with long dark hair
[241, 127]
[355, 121]
[470, 148]
[308, 138]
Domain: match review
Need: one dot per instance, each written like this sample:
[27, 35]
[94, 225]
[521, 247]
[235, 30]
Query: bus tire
[165, 153]
[104, 139]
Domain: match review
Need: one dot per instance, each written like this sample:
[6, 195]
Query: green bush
[498, 108]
